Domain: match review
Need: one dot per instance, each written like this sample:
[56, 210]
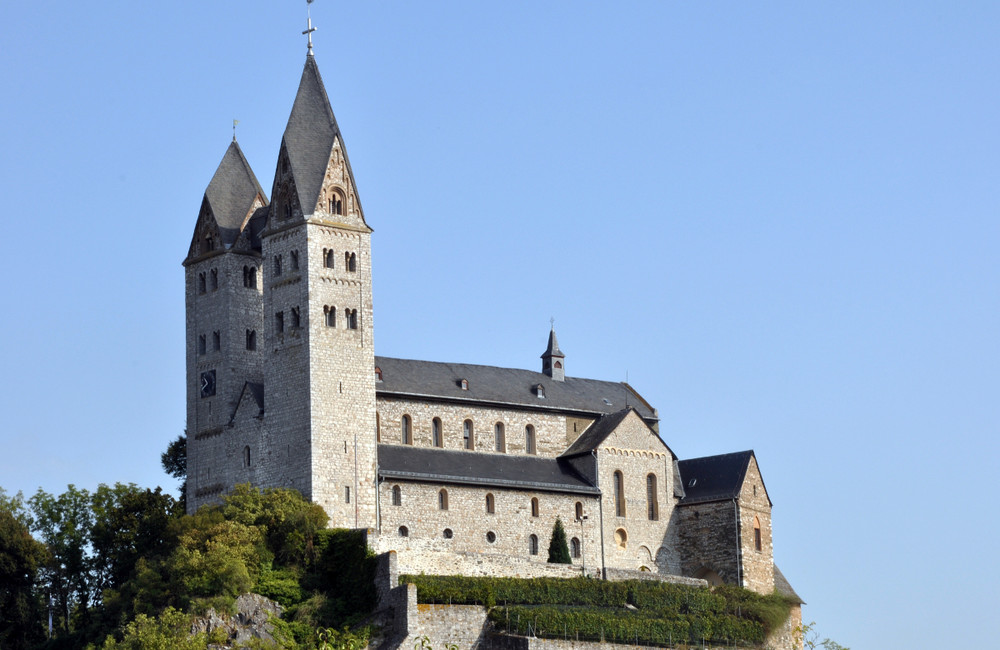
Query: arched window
[330, 316]
[529, 440]
[404, 531]
[652, 503]
[294, 258]
[574, 547]
[534, 506]
[288, 211]
[279, 321]
[619, 494]
[498, 435]
[336, 204]
[406, 431]
[215, 279]
[443, 500]
[351, 318]
[201, 283]
[277, 265]
[217, 340]
[436, 438]
[757, 541]
[533, 544]
[579, 511]
[209, 243]
[468, 437]
[621, 538]
[490, 504]
[397, 496]
[328, 259]
[350, 261]
[251, 340]
[296, 318]
[201, 344]
[246, 457]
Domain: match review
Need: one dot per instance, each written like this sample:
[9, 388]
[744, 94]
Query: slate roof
[715, 478]
[552, 350]
[231, 192]
[509, 386]
[596, 433]
[403, 462]
[783, 587]
[309, 137]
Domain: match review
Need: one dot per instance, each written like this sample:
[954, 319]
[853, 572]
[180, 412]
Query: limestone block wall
[342, 380]
[469, 523]
[637, 538]
[287, 396]
[755, 511]
[550, 429]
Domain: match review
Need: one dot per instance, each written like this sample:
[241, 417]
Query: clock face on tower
[207, 383]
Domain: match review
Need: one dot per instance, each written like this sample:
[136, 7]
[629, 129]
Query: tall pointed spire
[553, 358]
[310, 138]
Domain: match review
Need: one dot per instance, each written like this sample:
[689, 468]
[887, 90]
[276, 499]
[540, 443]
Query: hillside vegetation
[635, 611]
[124, 567]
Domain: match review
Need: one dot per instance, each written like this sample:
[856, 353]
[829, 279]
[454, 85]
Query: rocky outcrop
[251, 621]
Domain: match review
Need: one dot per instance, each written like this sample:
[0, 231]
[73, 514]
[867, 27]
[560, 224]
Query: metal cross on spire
[309, 27]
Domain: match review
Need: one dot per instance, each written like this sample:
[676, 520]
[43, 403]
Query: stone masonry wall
[550, 429]
[758, 566]
[706, 540]
[427, 549]
[637, 539]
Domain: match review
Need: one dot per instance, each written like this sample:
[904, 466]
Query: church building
[456, 467]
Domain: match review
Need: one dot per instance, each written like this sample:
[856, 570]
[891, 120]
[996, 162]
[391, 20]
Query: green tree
[288, 521]
[807, 638]
[20, 557]
[171, 630]
[174, 462]
[558, 550]
[64, 523]
[129, 523]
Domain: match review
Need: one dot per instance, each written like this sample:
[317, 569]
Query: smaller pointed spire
[553, 358]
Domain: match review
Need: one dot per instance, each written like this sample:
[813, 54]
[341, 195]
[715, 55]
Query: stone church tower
[279, 313]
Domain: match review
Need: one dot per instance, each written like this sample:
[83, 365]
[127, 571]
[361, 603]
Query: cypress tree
[558, 551]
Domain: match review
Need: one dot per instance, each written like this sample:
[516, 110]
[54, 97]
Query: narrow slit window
[498, 435]
[529, 440]
[397, 495]
[407, 432]
[468, 438]
[491, 503]
[619, 494]
[534, 507]
[443, 500]
[436, 437]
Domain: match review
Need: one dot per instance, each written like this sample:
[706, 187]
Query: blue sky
[778, 219]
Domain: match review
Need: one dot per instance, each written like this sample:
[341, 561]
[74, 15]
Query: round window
[491, 537]
[448, 534]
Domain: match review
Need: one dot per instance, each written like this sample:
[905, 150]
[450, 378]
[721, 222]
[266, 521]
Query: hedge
[660, 612]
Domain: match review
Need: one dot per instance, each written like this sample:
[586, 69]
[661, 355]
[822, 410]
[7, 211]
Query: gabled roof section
[783, 587]
[256, 392]
[232, 192]
[407, 463]
[597, 432]
[603, 427]
[309, 138]
[714, 478]
[509, 386]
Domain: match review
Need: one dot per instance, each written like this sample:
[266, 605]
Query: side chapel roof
[231, 193]
[309, 137]
[510, 386]
[783, 587]
[714, 478]
[405, 462]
